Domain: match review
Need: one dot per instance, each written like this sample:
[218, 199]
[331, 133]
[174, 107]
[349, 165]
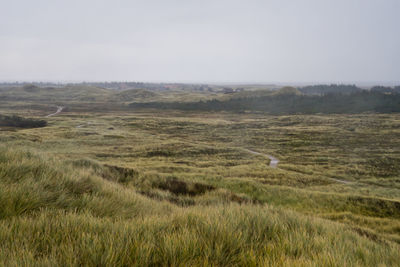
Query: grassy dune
[53, 213]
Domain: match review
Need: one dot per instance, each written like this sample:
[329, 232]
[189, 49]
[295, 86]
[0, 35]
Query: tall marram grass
[52, 214]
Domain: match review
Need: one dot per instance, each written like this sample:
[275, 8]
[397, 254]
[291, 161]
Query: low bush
[20, 122]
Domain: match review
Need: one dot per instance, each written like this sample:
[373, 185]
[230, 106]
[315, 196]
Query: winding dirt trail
[59, 109]
[273, 163]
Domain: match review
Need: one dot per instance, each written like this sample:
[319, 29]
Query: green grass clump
[29, 183]
[223, 235]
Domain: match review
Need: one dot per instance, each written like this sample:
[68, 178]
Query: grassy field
[108, 185]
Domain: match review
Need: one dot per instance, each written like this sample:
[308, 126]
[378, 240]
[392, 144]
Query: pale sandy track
[341, 181]
[59, 109]
[273, 163]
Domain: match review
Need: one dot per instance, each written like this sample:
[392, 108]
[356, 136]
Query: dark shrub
[16, 121]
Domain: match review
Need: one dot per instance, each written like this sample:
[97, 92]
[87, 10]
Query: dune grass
[101, 185]
[54, 214]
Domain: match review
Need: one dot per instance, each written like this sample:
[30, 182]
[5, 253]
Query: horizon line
[270, 83]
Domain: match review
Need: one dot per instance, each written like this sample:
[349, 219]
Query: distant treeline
[343, 89]
[291, 103]
[329, 89]
[16, 121]
[385, 89]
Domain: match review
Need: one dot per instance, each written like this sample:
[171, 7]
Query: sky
[246, 41]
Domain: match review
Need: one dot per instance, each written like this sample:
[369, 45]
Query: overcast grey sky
[200, 41]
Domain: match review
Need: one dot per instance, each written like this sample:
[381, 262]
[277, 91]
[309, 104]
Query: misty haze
[200, 133]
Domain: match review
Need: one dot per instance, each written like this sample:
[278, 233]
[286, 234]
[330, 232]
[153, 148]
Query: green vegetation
[108, 184]
[53, 214]
[16, 121]
[330, 89]
[290, 102]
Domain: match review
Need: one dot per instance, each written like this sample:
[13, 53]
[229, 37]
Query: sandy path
[59, 109]
[341, 181]
[273, 161]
